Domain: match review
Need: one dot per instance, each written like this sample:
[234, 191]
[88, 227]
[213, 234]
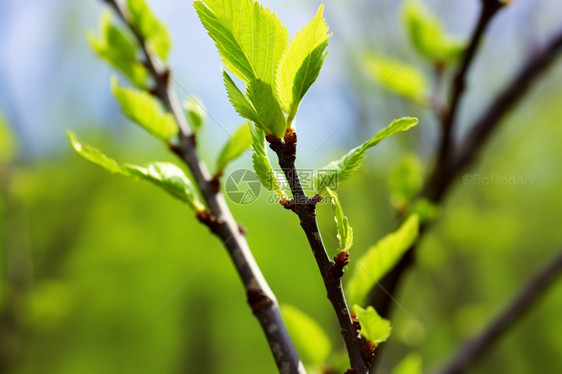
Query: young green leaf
[373, 327]
[411, 364]
[196, 113]
[405, 181]
[309, 338]
[271, 117]
[337, 171]
[116, 47]
[249, 37]
[144, 109]
[150, 27]
[95, 156]
[262, 165]
[163, 174]
[429, 36]
[260, 106]
[171, 179]
[236, 145]
[300, 64]
[380, 259]
[400, 78]
[345, 232]
[8, 146]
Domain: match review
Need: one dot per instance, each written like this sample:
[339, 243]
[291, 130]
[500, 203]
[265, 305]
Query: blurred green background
[102, 274]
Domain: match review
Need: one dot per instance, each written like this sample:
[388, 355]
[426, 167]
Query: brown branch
[485, 125]
[488, 11]
[305, 208]
[220, 220]
[439, 183]
[531, 292]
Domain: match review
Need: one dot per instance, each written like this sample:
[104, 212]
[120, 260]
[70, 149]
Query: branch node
[207, 218]
[215, 182]
[315, 200]
[341, 260]
[257, 299]
[288, 204]
[368, 351]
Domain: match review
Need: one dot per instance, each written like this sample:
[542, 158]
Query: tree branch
[488, 11]
[439, 183]
[220, 220]
[305, 208]
[474, 349]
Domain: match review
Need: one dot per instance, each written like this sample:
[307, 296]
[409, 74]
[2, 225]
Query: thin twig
[221, 222]
[531, 292]
[439, 183]
[485, 125]
[488, 11]
[305, 207]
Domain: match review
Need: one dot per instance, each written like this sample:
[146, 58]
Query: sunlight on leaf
[154, 31]
[171, 179]
[236, 145]
[248, 36]
[337, 171]
[271, 117]
[373, 327]
[95, 156]
[165, 175]
[345, 232]
[262, 164]
[301, 63]
[119, 50]
[144, 109]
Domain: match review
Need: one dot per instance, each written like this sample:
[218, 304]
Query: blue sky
[50, 81]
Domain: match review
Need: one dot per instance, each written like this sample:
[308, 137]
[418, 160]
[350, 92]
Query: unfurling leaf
[262, 165]
[151, 28]
[429, 36]
[165, 175]
[144, 109]
[271, 117]
[380, 259]
[248, 36]
[259, 106]
[301, 63]
[373, 327]
[95, 156]
[310, 339]
[345, 232]
[196, 114]
[405, 181]
[118, 49]
[171, 179]
[337, 171]
[398, 77]
[411, 364]
[236, 145]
